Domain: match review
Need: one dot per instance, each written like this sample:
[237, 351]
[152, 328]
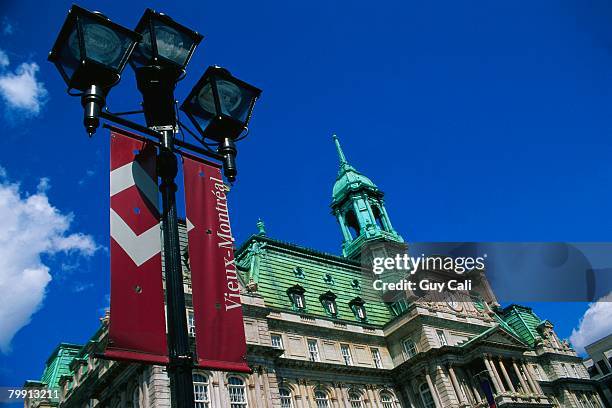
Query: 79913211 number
[18, 393]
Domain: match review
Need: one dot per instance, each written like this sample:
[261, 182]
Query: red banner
[219, 328]
[137, 323]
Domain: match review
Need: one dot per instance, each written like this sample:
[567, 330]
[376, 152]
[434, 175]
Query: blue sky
[482, 121]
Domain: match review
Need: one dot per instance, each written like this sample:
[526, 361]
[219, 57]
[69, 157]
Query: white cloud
[594, 324]
[22, 91]
[31, 227]
[4, 59]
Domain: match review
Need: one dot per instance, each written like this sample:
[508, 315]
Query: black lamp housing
[164, 42]
[90, 53]
[220, 105]
[91, 50]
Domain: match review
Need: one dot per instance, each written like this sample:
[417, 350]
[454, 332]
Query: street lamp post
[159, 60]
[90, 53]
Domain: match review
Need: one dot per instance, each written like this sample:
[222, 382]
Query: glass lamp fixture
[164, 42]
[159, 60]
[220, 107]
[90, 53]
[91, 49]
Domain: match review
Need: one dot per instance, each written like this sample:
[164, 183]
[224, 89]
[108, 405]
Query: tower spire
[339, 149]
[359, 207]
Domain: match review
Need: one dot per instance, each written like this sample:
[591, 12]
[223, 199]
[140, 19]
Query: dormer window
[299, 272]
[357, 305]
[296, 294]
[328, 300]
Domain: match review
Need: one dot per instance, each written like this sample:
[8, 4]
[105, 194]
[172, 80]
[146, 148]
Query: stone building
[318, 336]
[599, 365]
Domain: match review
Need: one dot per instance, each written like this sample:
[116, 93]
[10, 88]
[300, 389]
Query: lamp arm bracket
[150, 132]
[123, 113]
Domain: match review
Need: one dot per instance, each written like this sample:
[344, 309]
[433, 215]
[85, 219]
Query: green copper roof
[280, 266]
[348, 178]
[58, 364]
[523, 321]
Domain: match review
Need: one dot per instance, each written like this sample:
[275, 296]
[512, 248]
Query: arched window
[237, 392]
[378, 218]
[201, 397]
[355, 399]
[285, 398]
[387, 399]
[426, 397]
[352, 224]
[321, 398]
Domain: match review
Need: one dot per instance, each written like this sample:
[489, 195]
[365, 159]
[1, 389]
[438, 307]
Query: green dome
[348, 178]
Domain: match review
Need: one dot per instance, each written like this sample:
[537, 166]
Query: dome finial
[339, 149]
[261, 227]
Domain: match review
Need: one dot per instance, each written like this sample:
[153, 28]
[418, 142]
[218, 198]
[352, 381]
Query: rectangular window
[593, 371]
[376, 357]
[575, 368]
[313, 350]
[277, 342]
[191, 323]
[346, 354]
[409, 348]
[441, 338]
[603, 367]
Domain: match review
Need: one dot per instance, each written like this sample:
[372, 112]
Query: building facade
[599, 366]
[318, 336]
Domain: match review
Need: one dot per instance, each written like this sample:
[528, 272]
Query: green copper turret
[359, 207]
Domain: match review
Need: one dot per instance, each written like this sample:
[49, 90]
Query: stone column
[267, 388]
[344, 392]
[369, 207]
[216, 381]
[375, 401]
[458, 391]
[518, 374]
[474, 386]
[345, 232]
[383, 210]
[463, 376]
[432, 390]
[408, 392]
[499, 380]
[304, 392]
[505, 374]
[359, 217]
[300, 402]
[496, 385]
[257, 386]
[532, 383]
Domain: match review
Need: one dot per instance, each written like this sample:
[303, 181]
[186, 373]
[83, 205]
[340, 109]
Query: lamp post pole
[90, 53]
[157, 87]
